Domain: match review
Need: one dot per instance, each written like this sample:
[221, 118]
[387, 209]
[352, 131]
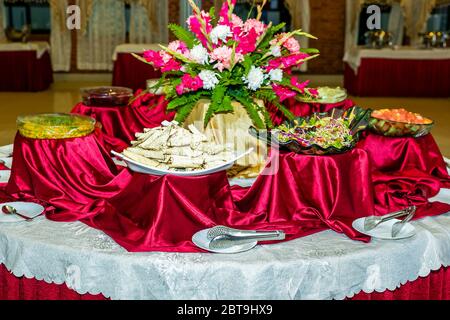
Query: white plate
[4, 176]
[7, 161]
[28, 209]
[7, 151]
[142, 168]
[200, 239]
[384, 230]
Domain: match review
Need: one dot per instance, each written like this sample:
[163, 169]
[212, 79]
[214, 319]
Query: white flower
[220, 32]
[199, 54]
[275, 51]
[276, 75]
[255, 78]
[210, 79]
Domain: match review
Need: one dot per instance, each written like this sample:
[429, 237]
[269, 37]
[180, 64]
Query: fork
[371, 223]
[398, 226]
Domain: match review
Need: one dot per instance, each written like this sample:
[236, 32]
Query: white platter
[384, 230]
[200, 239]
[28, 209]
[141, 168]
[4, 176]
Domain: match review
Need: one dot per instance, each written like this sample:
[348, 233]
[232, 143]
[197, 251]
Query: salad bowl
[334, 132]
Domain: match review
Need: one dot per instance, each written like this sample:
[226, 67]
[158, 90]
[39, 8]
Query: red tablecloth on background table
[23, 71]
[132, 73]
[399, 78]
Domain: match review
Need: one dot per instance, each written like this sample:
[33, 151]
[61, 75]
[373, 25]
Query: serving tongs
[371, 223]
[222, 237]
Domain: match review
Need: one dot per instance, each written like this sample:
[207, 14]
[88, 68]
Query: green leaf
[177, 102]
[270, 34]
[184, 112]
[217, 97]
[212, 14]
[287, 113]
[226, 105]
[247, 63]
[183, 35]
[310, 50]
[251, 109]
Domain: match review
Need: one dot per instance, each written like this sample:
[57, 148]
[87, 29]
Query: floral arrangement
[224, 59]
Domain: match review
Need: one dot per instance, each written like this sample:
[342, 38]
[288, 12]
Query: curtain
[60, 37]
[104, 30]
[148, 21]
[301, 19]
[417, 13]
[2, 22]
[397, 24]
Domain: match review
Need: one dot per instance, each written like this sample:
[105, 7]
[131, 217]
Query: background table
[402, 72]
[130, 72]
[25, 67]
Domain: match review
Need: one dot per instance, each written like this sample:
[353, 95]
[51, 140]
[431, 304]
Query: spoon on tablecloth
[11, 210]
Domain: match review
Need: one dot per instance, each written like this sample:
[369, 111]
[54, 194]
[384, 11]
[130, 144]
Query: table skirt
[434, 287]
[399, 78]
[131, 73]
[23, 71]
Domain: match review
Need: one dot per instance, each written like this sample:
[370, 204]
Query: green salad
[325, 132]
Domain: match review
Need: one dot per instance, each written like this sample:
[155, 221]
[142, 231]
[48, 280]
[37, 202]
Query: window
[439, 19]
[364, 16]
[275, 11]
[33, 13]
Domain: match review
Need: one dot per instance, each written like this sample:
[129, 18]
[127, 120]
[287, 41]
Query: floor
[64, 95]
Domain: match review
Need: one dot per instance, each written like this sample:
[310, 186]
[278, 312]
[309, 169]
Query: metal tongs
[222, 237]
[371, 223]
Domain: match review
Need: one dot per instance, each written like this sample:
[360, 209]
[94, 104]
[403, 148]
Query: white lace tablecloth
[40, 47]
[135, 48]
[326, 265]
[355, 56]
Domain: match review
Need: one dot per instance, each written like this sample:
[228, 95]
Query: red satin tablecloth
[399, 78]
[308, 194]
[131, 73]
[23, 71]
[120, 123]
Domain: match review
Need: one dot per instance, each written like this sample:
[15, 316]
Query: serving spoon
[6, 209]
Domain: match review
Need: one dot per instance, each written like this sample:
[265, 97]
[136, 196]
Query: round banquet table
[49, 260]
[24, 71]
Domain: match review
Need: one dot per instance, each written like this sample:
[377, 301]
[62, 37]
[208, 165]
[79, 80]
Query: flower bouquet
[224, 59]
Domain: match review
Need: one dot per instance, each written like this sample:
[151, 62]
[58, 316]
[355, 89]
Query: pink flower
[188, 84]
[313, 92]
[292, 45]
[172, 65]
[196, 27]
[224, 12]
[162, 60]
[247, 42]
[223, 57]
[289, 43]
[299, 85]
[287, 62]
[282, 92]
[253, 24]
[178, 46]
